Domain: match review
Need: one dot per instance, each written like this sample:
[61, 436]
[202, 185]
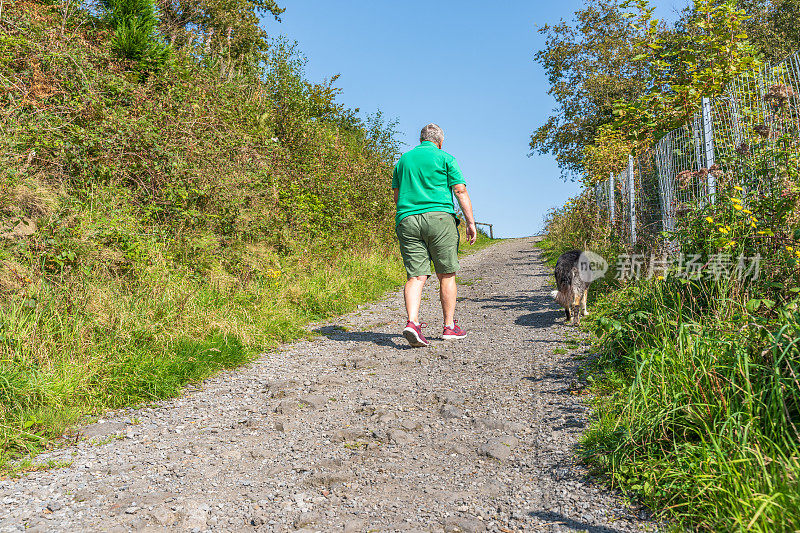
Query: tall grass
[698, 407]
[69, 351]
[697, 396]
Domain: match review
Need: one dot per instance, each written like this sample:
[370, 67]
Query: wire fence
[717, 145]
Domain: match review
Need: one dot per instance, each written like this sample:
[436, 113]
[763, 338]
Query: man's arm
[460, 191]
[396, 195]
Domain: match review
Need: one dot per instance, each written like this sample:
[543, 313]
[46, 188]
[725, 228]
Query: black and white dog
[572, 286]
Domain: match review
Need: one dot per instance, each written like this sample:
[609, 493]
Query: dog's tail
[559, 297]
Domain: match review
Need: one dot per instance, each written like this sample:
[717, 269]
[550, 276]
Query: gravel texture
[355, 431]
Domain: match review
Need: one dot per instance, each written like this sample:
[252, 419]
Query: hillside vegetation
[696, 369]
[168, 207]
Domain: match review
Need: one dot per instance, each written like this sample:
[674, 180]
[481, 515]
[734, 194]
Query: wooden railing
[491, 228]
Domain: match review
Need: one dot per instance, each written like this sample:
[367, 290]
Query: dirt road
[355, 431]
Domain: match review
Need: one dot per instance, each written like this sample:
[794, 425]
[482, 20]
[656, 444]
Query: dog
[572, 287]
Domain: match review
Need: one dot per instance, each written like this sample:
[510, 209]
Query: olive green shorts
[427, 237]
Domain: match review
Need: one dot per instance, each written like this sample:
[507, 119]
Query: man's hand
[472, 233]
[462, 196]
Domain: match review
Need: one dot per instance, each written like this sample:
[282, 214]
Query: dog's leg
[575, 305]
[583, 302]
[566, 310]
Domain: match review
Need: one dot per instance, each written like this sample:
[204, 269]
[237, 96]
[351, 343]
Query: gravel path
[355, 431]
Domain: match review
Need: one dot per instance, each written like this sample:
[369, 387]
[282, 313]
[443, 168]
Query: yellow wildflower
[738, 207]
[747, 212]
[738, 188]
[710, 220]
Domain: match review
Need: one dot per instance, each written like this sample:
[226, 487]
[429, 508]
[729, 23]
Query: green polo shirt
[425, 177]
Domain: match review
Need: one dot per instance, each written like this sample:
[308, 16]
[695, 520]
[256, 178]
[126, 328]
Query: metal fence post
[708, 145]
[611, 197]
[632, 192]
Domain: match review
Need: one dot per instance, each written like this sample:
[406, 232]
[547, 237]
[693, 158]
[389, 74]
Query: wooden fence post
[491, 228]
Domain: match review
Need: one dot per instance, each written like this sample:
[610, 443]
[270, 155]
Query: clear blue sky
[466, 65]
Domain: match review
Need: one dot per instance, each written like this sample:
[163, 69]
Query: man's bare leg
[413, 296]
[447, 294]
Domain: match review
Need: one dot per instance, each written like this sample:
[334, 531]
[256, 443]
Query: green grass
[124, 345]
[480, 243]
[551, 250]
[696, 414]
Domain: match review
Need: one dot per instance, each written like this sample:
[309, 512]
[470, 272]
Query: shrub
[175, 223]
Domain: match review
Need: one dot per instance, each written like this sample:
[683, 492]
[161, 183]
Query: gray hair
[432, 133]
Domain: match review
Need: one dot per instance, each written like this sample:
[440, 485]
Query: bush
[159, 228]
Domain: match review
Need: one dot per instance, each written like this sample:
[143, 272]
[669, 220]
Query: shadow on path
[336, 333]
[556, 518]
[542, 312]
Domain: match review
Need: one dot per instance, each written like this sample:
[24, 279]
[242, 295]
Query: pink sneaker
[414, 336]
[453, 333]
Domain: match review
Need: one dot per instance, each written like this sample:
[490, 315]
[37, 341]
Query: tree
[223, 32]
[589, 64]
[773, 26]
[708, 48]
[135, 34]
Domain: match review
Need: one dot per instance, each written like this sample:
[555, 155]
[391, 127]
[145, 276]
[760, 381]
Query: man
[424, 181]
